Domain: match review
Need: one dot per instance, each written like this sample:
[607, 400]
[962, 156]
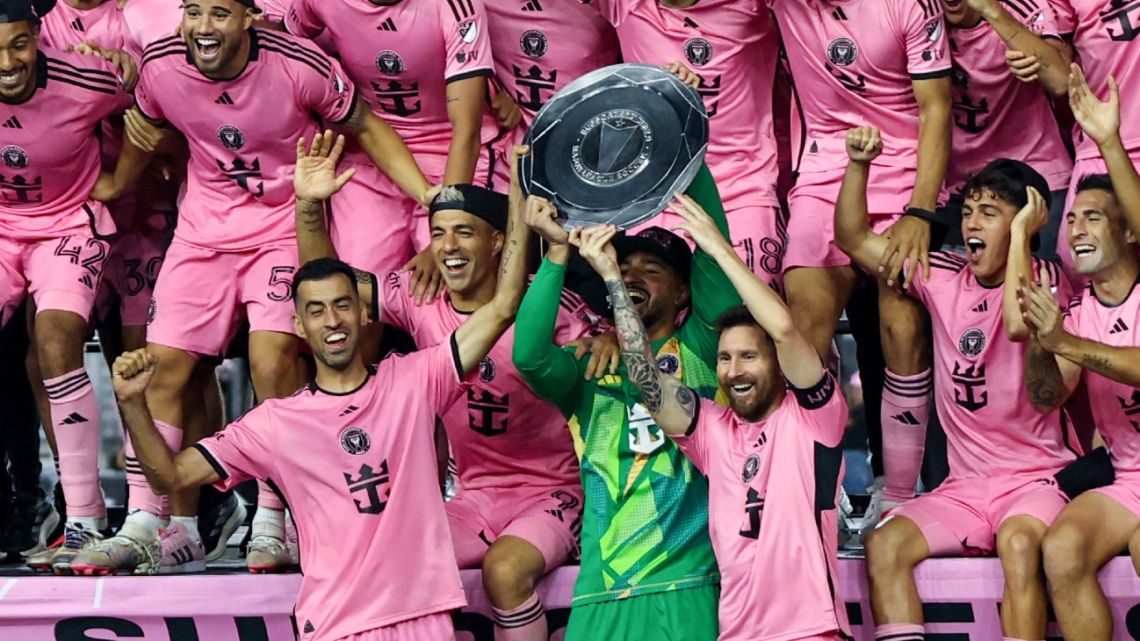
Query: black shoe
[30, 522]
[218, 518]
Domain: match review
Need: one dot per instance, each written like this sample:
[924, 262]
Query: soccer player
[888, 64]
[423, 67]
[539, 47]
[236, 93]
[647, 564]
[1001, 494]
[1104, 36]
[53, 237]
[732, 47]
[993, 109]
[772, 455]
[1095, 341]
[519, 507]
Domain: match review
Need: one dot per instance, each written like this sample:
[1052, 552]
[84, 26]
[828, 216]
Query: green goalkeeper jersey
[645, 519]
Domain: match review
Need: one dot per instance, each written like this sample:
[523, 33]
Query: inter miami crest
[751, 467]
[390, 63]
[355, 441]
[972, 342]
[698, 51]
[468, 31]
[486, 369]
[668, 364]
[842, 52]
[533, 43]
[231, 137]
[15, 157]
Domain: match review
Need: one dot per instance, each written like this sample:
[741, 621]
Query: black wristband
[925, 214]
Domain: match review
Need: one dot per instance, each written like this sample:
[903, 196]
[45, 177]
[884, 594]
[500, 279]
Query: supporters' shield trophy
[615, 145]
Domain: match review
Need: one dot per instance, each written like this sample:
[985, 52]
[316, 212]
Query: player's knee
[887, 554]
[1064, 557]
[1019, 549]
[274, 373]
[171, 377]
[59, 345]
[506, 577]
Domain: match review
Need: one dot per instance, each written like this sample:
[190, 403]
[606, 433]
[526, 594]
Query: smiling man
[1001, 494]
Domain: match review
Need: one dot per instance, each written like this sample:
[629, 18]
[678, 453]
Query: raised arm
[388, 151]
[142, 141]
[465, 104]
[852, 230]
[478, 334]
[1051, 62]
[798, 359]
[1100, 120]
[671, 403]
[1019, 264]
[165, 471]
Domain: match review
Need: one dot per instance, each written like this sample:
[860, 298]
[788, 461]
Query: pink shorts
[1125, 490]
[129, 276]
[60, 274]
[811, 220]
[759, 234]
[433, 627]
[966, 513]
[547, 519]
[201, 295]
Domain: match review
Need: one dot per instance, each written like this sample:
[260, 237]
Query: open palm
[1099, 119]
[314, 176]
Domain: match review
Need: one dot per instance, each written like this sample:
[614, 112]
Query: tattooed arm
[1121, 364]
[671, 403]
[1048, 387]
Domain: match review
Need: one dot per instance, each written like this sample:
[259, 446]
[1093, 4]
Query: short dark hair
[737, 316]
[322, 269]
[1001, 185]
[1101, 182]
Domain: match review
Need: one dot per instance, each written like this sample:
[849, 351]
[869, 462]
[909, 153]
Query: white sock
[141, 526]
[268, 522]
[191, 525]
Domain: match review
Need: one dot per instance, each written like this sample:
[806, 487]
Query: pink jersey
[149, 21]
[360, 473]
[733, 46]
[50, 151]
[65, 26]
[403, 55]
[541, 45]
[1115, 406]
[1104, 35]
[993, 110]
[772, 513]
[240, 186]
[853, 62]
[504, 435]
[979, 382]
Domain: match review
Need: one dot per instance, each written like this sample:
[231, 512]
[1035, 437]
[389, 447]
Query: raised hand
[1099, 119]
[542, 217]
[131, 374]
[314, 177]
[1041, 312]
[594, 245]
[699, 226]
[864, 144]
[1033, 217]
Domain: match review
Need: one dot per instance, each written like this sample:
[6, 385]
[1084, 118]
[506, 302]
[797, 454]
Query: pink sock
[899, 632]
[266, 497]
[906, 408]
[527, 622]
[140, 496]
[75, 416]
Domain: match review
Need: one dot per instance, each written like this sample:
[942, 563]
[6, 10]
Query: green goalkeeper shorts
[676, 615]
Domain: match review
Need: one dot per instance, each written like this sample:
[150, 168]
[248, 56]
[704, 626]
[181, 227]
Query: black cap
[21, 10]
[479, 202]
[661, 243]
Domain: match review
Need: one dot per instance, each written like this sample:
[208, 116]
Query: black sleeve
[817, 395]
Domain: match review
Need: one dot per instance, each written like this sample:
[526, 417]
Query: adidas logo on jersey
[387, 25]
[906, 418]
[838, 14]
[983, 307]
[75, 418]
[533, 5]
[224, 99]
[690, 24]
[13, 123]
[77, 24]
[1118, 327]
[348, 410]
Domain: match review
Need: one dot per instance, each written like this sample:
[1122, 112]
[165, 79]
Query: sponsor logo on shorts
[842, 52]
[669, 363]
[355, 441]
[751, 466]
[487, 369]
[390, 63]
[468, 31]
[533, 43]
[14, 157]
[231, 137]
[698, 51]
[972, 342]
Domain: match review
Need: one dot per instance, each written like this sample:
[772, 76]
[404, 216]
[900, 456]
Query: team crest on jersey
[669, 363]
[751, 466]
[468, 31]
[14, 157]
[698, 51]
[933, 29]
[972, 342]
[486, 369]
[533, 43]
[842, 52]
[355, 441]
[231, 137]
[390, 63]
